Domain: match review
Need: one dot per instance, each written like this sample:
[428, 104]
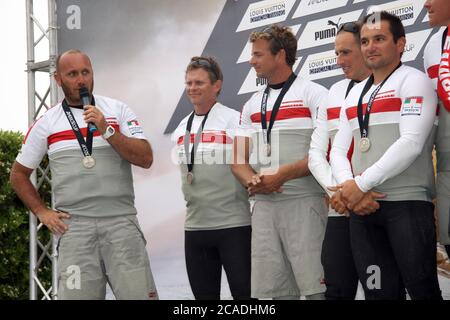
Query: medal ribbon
[363, 120]
[266, 131]
[86, 146]
[187, 140]
[349, 87]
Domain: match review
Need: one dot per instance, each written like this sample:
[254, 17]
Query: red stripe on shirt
[433, 71]
[349, 152]
[112, 120]
[333, 113]
[29, 129]
[70, 135]
[284, 114]
[383, 105]
[210, 137]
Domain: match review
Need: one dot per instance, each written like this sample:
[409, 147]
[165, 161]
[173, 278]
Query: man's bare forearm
[294, 170]
[243, 172]
[240, 165]
[20, 181]
[135, 151]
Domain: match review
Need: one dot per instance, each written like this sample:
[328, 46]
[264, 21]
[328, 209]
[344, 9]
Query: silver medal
[88, 162]
[364, 144]
[267, 149]
[189, 177]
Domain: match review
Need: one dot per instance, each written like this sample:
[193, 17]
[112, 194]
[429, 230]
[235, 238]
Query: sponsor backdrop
[315, 23]
[140, 48]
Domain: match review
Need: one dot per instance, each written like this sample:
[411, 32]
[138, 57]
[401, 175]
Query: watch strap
[109, 132]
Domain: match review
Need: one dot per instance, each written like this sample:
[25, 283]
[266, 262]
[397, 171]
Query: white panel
[406, 10]
[320, 65]
[266, 12]
[323, 31]
[414, 43]
[308, 7]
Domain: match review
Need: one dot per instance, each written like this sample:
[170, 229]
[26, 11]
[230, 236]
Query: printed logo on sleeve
[134, 127]
[412, 106]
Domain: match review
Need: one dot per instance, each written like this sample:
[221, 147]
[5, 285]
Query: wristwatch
[109, 132]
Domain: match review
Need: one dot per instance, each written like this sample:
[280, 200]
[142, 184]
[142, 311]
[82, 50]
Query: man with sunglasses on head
[217, 224]
[390, 117]
[91, 145]
[341, 278]
[271, 148]
[436, 63]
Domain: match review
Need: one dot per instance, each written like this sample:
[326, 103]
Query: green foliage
[14, 227]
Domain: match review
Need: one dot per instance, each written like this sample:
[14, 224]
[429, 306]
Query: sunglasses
[270, 32]
[204, 63]
[349, 27]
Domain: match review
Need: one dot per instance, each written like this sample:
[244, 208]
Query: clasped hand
[348, 197]
[264, 184]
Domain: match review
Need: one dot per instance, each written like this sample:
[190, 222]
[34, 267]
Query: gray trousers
[287, 241]
[95, 251]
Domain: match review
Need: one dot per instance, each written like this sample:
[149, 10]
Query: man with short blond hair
[217, 224]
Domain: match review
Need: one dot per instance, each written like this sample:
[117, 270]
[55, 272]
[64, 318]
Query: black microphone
[86, 100]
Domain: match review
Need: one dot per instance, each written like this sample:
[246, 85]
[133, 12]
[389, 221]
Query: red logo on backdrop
[443, 85]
